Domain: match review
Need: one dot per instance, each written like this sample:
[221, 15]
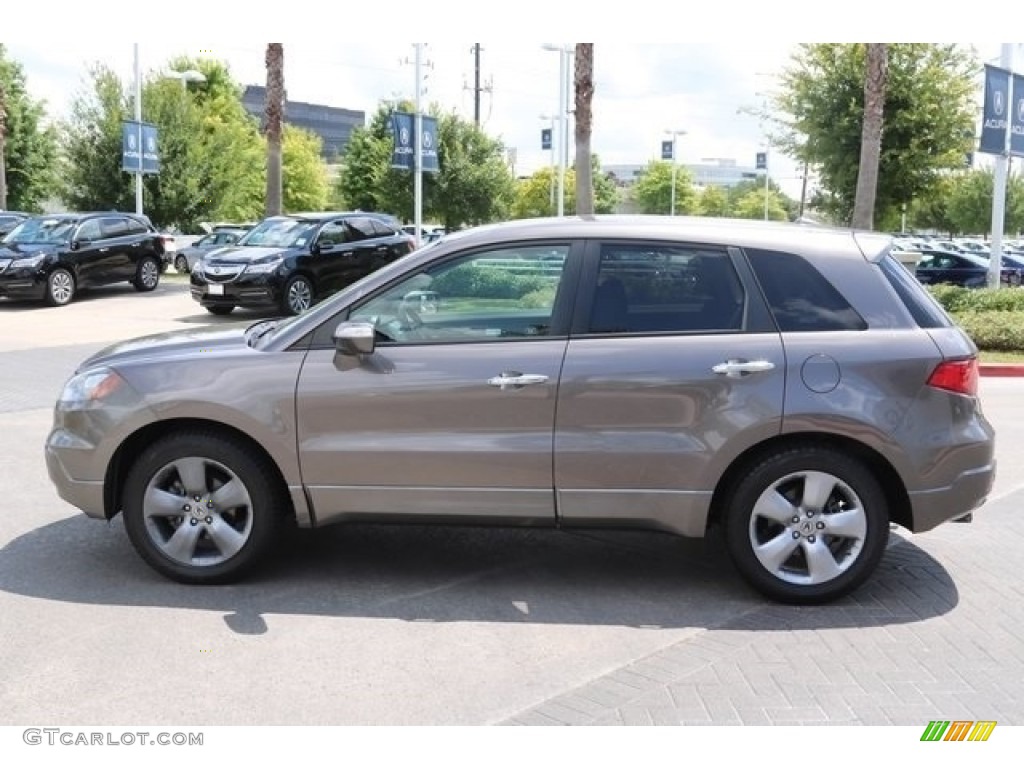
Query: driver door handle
[516, 380]
[736, 368]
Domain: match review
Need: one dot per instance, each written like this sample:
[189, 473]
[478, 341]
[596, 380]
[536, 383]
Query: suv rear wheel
[807, 525]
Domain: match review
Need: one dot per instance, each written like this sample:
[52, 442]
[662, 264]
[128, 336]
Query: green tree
[474, 184]
[970, 202]
[653, 190]
[29, 150]
[929, 113]
[212, 156]
[305, 174]
[714, 202]
[750, 205]
[533, 194]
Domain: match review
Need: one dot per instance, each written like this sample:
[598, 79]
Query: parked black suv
[287, 263]
[9, 220]
[52, 257]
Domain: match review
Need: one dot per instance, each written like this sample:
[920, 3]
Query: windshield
[280, 233]
[41, 232]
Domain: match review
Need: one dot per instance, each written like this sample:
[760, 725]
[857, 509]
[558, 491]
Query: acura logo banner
[1017, 117]
[403, 126]
[997, 106]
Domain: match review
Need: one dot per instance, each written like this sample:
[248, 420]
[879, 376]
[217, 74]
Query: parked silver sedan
[796, 386]
[185, 259]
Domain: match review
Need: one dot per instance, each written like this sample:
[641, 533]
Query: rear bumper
[935, 506]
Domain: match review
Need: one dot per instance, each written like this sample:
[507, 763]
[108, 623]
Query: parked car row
[284, 264]
[958, 262]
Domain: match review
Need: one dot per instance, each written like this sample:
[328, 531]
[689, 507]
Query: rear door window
[800, 297]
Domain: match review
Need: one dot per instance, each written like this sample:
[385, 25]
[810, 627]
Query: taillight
[960, 376]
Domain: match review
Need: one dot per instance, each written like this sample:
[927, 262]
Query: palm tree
[584, 81]
[3, 146]
[875, 75]
[273, 116]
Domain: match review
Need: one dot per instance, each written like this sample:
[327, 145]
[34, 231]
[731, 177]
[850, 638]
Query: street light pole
[766, 183]
[551, 186]
[675, 136]
[138, 127]
[564, 55]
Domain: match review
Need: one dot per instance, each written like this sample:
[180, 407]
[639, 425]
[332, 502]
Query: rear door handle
[515, 380]
[737, 368]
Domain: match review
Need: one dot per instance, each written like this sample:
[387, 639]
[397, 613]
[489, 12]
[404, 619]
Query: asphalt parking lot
[377, 625]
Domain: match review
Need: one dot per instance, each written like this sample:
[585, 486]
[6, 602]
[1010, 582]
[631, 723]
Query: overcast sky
[642, 89]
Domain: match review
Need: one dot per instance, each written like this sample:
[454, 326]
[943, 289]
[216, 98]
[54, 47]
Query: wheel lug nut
[209, 504]
[810, 513]
[187, 508]
[820, 525]
[796, 519]
[811, 538]
[196, 498]
[796, 534]
[193, 521]
[209, 520]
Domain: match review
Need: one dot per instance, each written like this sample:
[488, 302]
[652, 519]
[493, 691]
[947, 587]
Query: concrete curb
[1001, 369]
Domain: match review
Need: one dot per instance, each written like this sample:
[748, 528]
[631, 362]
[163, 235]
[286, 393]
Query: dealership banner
[139, 150]
[1017, 117]
[997, 106]
[403, 126]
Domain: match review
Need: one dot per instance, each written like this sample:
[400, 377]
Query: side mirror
[355, 339]
[315, 248]
[76, 244]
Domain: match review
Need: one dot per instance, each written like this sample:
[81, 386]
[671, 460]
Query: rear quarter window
[800, 297]
[922, 306]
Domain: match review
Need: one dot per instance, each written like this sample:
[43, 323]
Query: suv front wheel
[807, 525]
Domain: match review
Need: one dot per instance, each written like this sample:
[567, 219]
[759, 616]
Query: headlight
[90, 387]
[264, 267]
[28, 261]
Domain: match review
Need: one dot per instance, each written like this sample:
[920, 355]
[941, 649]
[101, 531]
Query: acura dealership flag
[1017, 118]
[997, 106]
[403, 126]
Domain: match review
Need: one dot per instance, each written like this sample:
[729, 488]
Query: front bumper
[28, 283]
[243, 291]
[87, 495]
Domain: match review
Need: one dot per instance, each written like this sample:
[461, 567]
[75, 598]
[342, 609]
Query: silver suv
[795, 386]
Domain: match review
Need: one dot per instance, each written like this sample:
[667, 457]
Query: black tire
[788, 503]
[147, 275]
[231, 534]
[220, 309]
[181, 265]
[60, 288]
[298, 295]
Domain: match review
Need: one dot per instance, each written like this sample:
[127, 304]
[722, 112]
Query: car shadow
[455, 574]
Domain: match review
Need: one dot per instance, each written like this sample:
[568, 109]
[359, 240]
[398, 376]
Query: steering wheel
[409, 317]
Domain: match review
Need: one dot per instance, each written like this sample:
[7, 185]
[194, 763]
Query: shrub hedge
[994, 318]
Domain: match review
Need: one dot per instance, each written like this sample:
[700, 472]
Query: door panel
[662, 388]
[452, 416]
[418, 430]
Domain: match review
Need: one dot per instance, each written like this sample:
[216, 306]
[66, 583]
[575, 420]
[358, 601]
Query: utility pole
[803, 191]
[477, 88]
[476, 84]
